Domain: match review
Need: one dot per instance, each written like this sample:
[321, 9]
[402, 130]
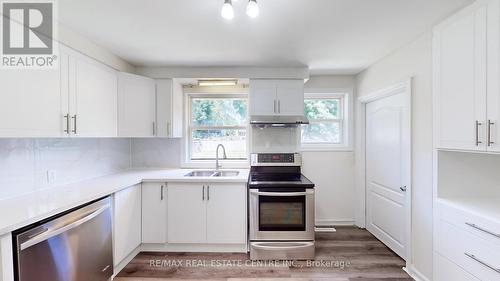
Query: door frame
[404, 87]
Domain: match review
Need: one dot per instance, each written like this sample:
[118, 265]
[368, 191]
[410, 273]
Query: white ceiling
[329, 36]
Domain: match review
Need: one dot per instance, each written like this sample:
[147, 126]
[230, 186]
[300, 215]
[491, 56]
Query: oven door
[281, 215]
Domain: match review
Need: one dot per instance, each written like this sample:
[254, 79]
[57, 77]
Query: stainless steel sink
[226, 174]
[200, 174]
[212, 173]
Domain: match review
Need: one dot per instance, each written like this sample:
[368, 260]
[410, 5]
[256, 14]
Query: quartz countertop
[24, 210]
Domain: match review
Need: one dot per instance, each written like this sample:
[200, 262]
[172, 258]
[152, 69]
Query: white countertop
[24, 210]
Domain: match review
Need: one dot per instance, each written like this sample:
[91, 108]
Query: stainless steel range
[281, 203]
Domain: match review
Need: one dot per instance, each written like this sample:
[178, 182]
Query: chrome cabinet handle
[161, 193]
[279, 106]
[47, 235]
[67, 123]
[203, 194]
[489, 132]
[168, 129]
[74, 124]
[473, 225]
[154, 128]
[274, 104]
[482, 262]
[208, 192]
[477, 133]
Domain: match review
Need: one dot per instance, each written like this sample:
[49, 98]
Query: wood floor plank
[350, 254]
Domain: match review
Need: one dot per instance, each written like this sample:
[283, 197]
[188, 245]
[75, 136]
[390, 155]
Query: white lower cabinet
[127, 222]
[154, 213]
[209, 213]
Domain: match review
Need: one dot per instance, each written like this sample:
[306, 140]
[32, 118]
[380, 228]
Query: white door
[93, 98]
[460, 78]
[493, 100]
[186, 204]
[154, 213]
[136, 106]
[387, 170]
[33, 103]
[226, 213]
[263, 97]
[290, 97]
[127, 222]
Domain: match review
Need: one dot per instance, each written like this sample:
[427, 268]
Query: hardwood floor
[350, 254]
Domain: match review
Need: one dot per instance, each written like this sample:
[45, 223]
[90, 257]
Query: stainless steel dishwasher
[73, 246]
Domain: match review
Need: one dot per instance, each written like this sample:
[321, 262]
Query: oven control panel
[275, 159]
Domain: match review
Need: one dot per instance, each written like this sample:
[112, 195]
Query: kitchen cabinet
[169, 104]
[276, 97]
[154, 213]
[136, 106]
[207, 213]
[77, 98]
[92, 98]
[127, 222]
[6, 258]
[466, 77]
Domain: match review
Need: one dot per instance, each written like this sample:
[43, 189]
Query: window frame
[343, 95]
[187, 161]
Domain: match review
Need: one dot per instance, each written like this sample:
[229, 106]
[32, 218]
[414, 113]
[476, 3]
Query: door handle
[74, 124]
[403, 188]
[473, 257]
[473, 225]
[279, 106]
[478, 142]
[161, 193]
[67, 123]
[203, 194]
[154, 128]
[282, 194]
[489, 132]
[208, 193]
[274, 104]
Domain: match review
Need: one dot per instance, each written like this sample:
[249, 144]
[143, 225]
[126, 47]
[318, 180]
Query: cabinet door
[186, 213]
[127, 222]
[136, 106]
[226, 213]
[460, 81]
[93, 98]
[33, 102]
[290, 96]
[169, 105]
[154, 213]
[263, 97]
[493, 104]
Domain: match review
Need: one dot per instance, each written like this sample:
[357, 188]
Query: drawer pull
[482, 229]
[482, 262]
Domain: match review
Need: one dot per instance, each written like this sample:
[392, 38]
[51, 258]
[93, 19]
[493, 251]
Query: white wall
[24, 162]
[156, 153]
[414, 60]
[331, 171]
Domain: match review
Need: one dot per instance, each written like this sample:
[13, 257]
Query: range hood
[278, 121]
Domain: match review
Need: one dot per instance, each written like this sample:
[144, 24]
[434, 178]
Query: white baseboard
[335, 222]
[415, 274]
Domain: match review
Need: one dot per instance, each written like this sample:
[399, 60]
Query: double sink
[212, 173]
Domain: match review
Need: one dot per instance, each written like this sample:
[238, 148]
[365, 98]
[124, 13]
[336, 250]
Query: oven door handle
[263, 246]
[281, 194]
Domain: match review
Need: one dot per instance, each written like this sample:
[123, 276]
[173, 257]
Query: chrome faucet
[217, 165]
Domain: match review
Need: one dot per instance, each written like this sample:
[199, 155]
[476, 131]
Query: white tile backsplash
[24, 162]
[156, 153]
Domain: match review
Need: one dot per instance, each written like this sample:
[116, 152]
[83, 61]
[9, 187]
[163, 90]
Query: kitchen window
[217, 119]
[328, 126]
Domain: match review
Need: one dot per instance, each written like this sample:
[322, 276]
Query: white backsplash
[275, 139]
[24, 162]
[156, 153]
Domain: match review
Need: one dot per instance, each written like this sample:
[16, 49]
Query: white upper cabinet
[93, 98]
[154, 213]
[276, 97]
[461, 48]
[169, 104]
[33, 102]
[493, 80]
[136, 106]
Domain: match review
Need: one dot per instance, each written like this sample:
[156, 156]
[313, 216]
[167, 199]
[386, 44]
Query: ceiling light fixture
[205, 83]
[227, 11]
[252, 9]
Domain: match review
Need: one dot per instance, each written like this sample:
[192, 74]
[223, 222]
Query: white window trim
[186, 161]
[346, 95]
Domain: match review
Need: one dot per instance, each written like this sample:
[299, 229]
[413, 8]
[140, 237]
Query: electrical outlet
[51, 176]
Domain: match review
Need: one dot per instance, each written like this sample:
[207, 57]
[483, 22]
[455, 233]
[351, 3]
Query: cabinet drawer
[474, 254]
[482, 227]
[445, 270]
